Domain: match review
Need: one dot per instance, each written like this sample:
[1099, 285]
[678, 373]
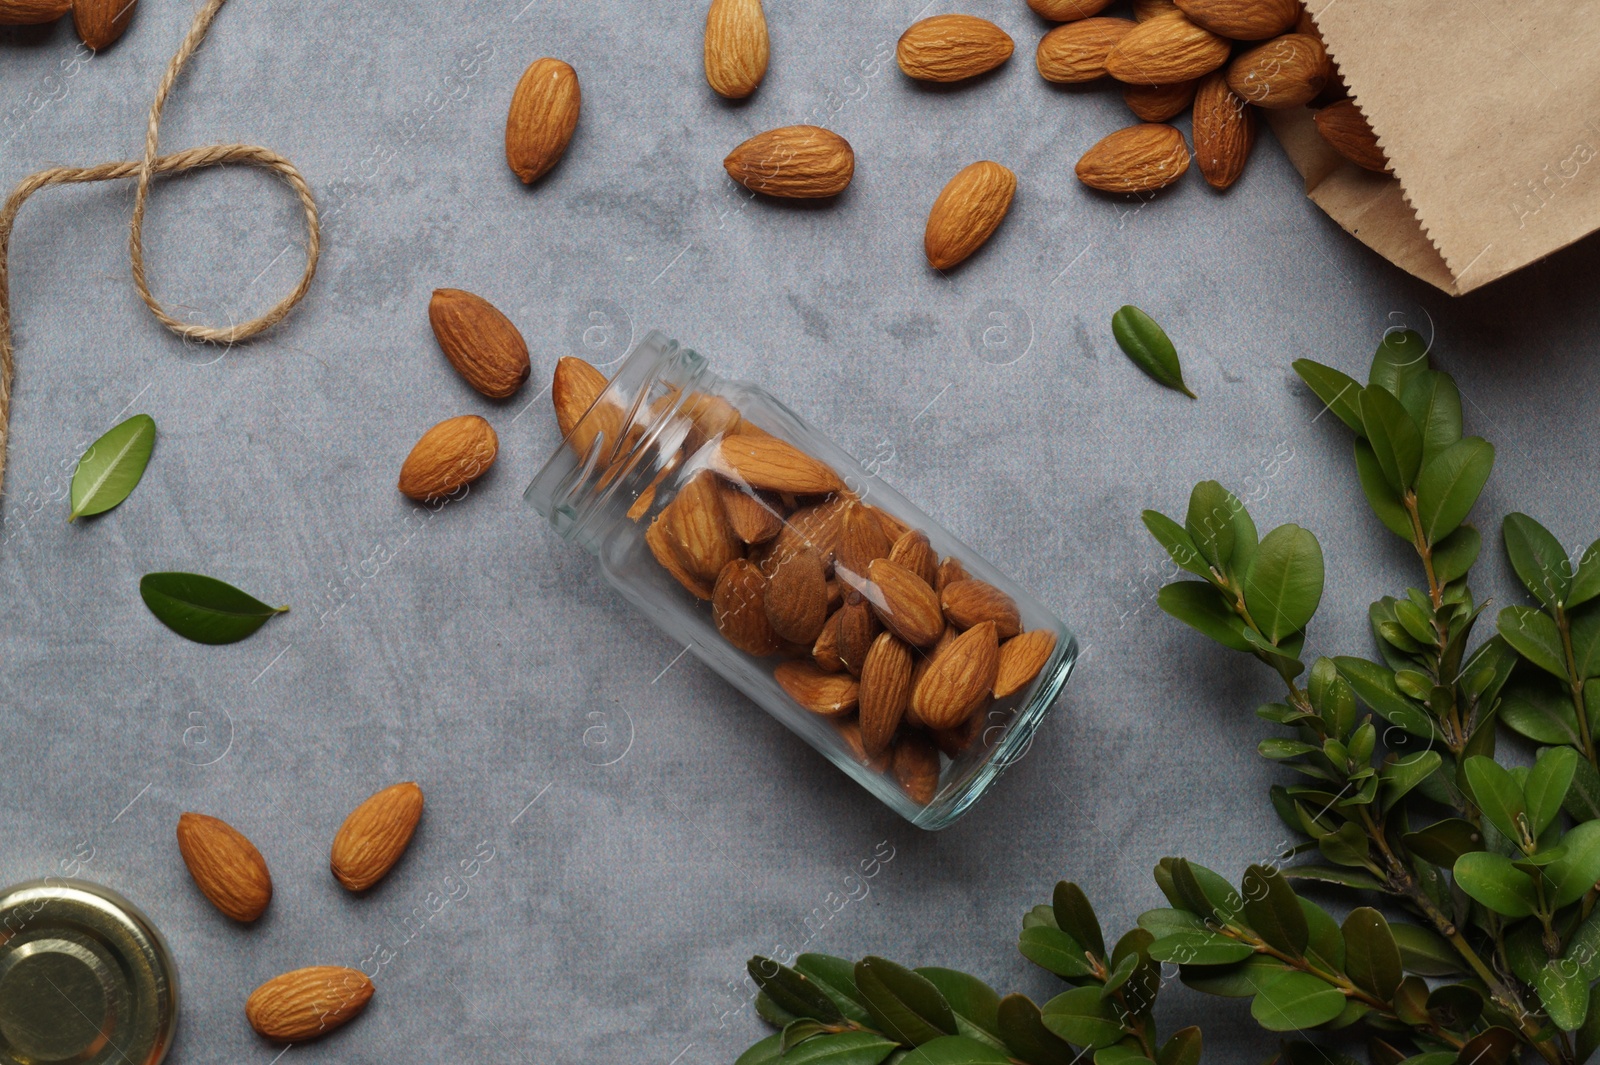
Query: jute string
[144, 169]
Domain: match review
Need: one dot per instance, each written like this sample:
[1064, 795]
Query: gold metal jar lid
[84, 978]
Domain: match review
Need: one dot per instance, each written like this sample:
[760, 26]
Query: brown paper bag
[1489, 113]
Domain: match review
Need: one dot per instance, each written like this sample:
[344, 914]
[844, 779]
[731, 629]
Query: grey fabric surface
[649, 828]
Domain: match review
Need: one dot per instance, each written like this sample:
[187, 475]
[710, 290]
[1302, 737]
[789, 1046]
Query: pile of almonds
[99, 22]
[865, 624]
[231, 873]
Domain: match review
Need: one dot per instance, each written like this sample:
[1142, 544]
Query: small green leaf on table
[204, 609]
[1148, 345]
[112, 466]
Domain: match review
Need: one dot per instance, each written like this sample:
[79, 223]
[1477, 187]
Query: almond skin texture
[659, 540]
[893, 527]
[967, 213]
[1137, 159]
[226, 866]
[1021, 658]
[755, 517]
[698, 530]
[916, 767]
[850, 735]
[1224, 131]
[793, 162]
[861, 539]
[904, 603]
[972, 602]
[825, 651]
[308, 1003]
[1346, 129]
[885, 691]
[1076, 53]
[797, 598]
[1285, 72]
[1243, 20]
[100, 22]
[1145, 10]
[950, 571]
[573, 390]
[914, 552]
[449, 457]
[32, 12]
[739, 608]
[480, 342]
[1159, 103]
[959, 679]
[952, 48]
[828, 694]
[1166, 50]
[737, 47]
[375, 835]
[765, 462]
[817, 527]
[544, 112]
[1068, 10]
[856, 626]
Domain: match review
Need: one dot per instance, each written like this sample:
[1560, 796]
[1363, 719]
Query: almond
[1021, 658]
[959, 680]
[950, 571]
[952, 741]
[1137, 159]
[967, 212]
[793, 162]
[660, 541]
[375, 835]
[1347, 131]
[1224, 131]
[308, 1003]
[817, 527]
[916, 767]
[1285, 72]
[573, 390]
[226, 866]
[1243, 20]
[952, 48]
[736, 47]
[797, 598]
[904, 603]
[828, 694]
[885, 691]
[1076, 53]
[698, 530]
[914, 552]
[449, 457]
[765, 462]
[850, 735]
[856, 627]
[754, 516]
[32, 12]
[1165, 50]
[739, 608]
[710, 417]
[861, 539]
[835, 594]
[1068, 10]
[1145, 10]
[101, 22]
[925, 657]
[825, 651]
[544, 112]
[893, 527]
[480, 342]
[972, 602]
[1159, 103]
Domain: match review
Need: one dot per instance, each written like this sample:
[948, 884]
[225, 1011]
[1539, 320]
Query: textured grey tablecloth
[649, 829]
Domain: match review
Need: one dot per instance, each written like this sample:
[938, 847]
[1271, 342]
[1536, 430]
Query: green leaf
[1324, 874]
[1424, 951]
[1579, 868]
[1584, 629]
[792, 992]
[1347, 846]
[1290, 1001]
[1204, 608]
[1176, 539]
[1209, 522]
[112, 466]
[798, 1031]
[1148, 345]
[1284, 584]
[1183, 1048]
[1586, 581]
[1496, 794]
[1497, 1046]
[1039, 916]
[771, 1012]
[1395, 438]
[906, 1007]
[1434, 403]
[1199, 947]
[203, 609]
[1583, 948]
[766, 1052]
[1588, 1038]
[1076, 917]
[1492, 880]
[1167, 922]
[1538, 558]
[1375, 686]
[1371, 956]
[1120, 1054]
[1564, 993]
[1336, 389]
[1456, 554]
[1401, 356]
[1583, 799]
[1539, 708]
[1239, 980]
[955, 1050]
[1456, 1006]
[846, 1048]
[1535, 637]
[1400, 776]
[975, 1004]
[1056, 951]
[1023, 1030]
[1273, 910]
[1444, 841]
[1546, 787]
[1384, 500]
[1450, 484]
[1119, 975]
[1081, 1016]
[836, 978]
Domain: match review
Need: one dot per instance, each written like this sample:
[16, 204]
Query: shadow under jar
[816, 589]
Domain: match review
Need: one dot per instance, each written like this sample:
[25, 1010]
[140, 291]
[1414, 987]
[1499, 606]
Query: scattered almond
[952, 48]
[1160, 103]
[1021, 658]
[916, 766]
[375, 835]
[904, 603]
[449, 457]
[829, 694]
[1076, 52]
[226, 866]
[913, 551]
[793, 162]
[1162, 51]
[1347, 131]
[1068, 10]
[1137, 159]
[32, 12]
[885, 691]
[101, 22]
[739, 609]
[737, 48]
[967, 212]
[480, 342]
[308, 1003]
[959, 680]
[1243, 20]
[765, 462]
[544, 112]
[1224, 131]
[972, 602]
[1285, 72]
[797, 598]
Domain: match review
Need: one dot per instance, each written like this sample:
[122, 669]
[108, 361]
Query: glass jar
[805, 581]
